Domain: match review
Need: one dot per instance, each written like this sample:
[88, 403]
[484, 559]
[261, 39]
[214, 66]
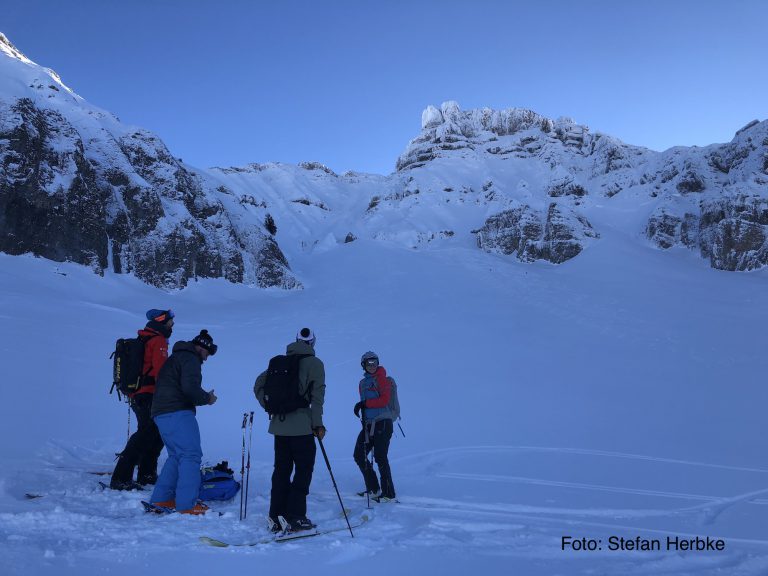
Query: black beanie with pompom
[205, 340]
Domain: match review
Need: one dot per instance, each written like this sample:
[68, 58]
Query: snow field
[616, 395]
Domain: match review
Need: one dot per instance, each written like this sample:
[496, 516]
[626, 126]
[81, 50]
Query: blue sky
[344, 82]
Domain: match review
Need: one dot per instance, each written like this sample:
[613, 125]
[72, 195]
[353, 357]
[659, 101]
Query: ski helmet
[369, 356]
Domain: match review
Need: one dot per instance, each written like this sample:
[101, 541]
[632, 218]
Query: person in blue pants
[178, 391]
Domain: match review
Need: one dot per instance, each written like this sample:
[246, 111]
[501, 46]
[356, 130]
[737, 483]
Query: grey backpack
[394, 403]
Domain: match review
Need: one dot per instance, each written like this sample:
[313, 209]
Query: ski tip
[213, 542]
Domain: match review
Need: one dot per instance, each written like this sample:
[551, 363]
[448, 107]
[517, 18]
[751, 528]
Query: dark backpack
[128, 363]
[281, 390]
[218, 483]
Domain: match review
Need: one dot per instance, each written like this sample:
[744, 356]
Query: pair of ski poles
[245, 468]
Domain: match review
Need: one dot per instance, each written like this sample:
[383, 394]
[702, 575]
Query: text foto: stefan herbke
[620, 543]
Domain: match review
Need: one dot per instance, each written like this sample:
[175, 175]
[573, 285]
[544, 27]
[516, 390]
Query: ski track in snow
[73, 508]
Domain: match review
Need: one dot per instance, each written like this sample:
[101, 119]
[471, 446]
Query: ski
[284, 537]
[385, 500]
[380, 499]
[94, 472]
[135, 487]
[150, 508]
[30, 496]
[154, 509]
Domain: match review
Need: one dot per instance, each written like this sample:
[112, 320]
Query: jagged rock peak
[449, 129]
[7, 47]
[500, 122]
[317, 166]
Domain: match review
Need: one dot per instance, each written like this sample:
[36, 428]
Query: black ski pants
[378, 441]
[143, 447]
[289, 497]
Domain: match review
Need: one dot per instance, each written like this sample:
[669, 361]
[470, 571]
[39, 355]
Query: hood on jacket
[299, 347]
[182, 346]
[159, 328]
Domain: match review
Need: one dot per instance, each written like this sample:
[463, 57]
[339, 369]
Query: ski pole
[327, 463]
[128, 432]
[401, 429]
[242, 466]
[248, 467]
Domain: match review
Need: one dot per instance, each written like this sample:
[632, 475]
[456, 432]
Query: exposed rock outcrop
[530, 235]
[76, 185]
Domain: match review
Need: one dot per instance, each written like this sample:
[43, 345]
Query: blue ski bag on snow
[218, 482]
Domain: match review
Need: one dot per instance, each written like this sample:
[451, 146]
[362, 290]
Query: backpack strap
[144, 340]
[308, 393]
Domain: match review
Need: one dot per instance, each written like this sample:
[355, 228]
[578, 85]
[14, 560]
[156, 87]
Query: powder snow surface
[619, 394]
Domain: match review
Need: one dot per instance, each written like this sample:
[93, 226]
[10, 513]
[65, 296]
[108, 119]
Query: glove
[319, 432]
[359, 406]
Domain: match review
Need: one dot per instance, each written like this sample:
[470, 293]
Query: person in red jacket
[376, 416]
[144, 446]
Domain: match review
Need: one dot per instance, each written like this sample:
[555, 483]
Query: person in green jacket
[294, 434]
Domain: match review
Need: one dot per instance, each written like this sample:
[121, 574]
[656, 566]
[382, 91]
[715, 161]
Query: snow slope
[618, 394]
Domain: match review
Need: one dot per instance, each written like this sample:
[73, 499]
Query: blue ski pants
[180, 478]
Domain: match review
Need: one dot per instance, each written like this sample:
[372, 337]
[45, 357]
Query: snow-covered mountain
[77, 185]
[518, 183]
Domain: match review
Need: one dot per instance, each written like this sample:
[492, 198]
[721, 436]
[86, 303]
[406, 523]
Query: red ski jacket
[155, 355]
[381, 386]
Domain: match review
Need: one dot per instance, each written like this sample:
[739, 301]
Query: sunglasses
[164, 317]
[371, 362]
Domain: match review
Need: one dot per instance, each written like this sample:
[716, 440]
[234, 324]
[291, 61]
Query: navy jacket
[179, 384]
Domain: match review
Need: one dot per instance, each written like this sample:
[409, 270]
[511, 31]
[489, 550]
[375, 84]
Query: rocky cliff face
[76, 185]
[712, 200]
[50, 201]
[715, 200]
